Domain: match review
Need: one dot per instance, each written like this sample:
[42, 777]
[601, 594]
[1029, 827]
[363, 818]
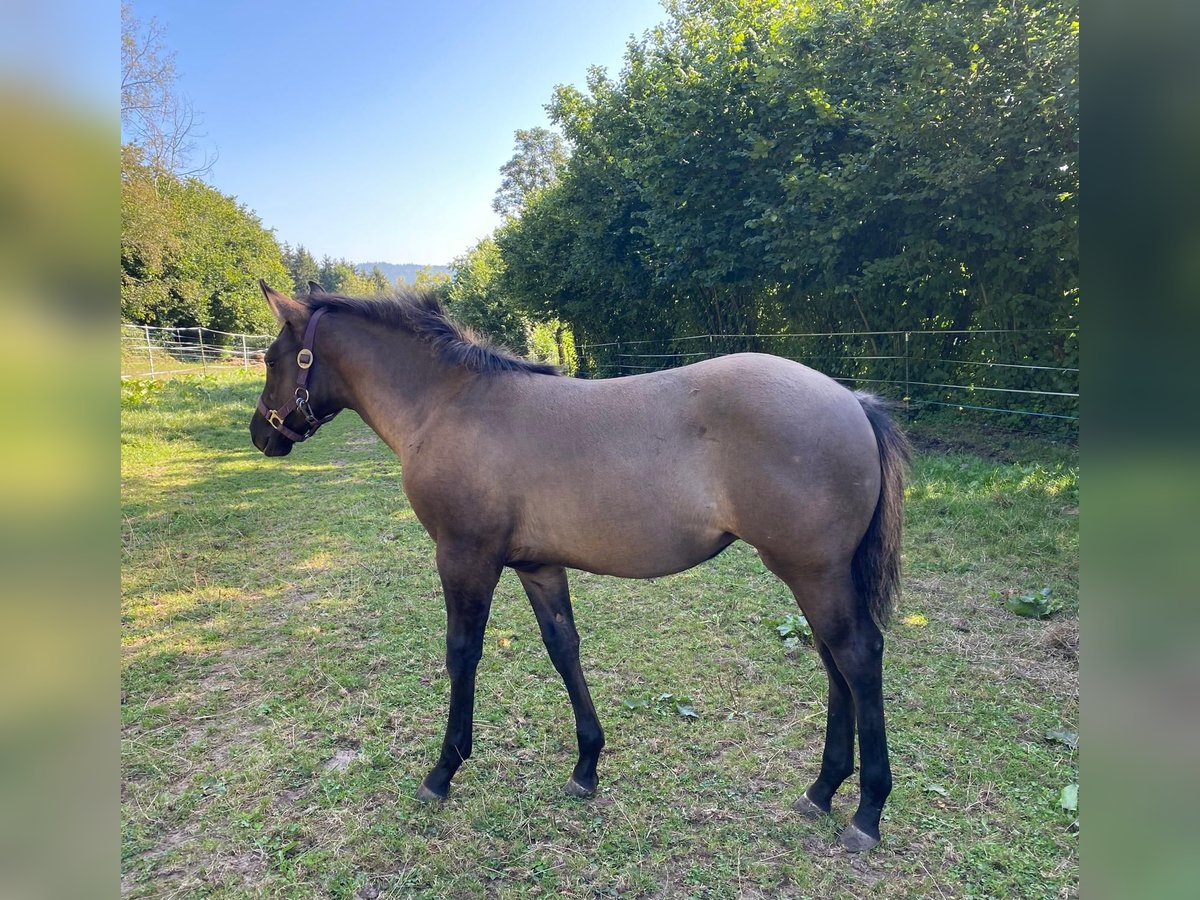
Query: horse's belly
[630, 540]
[640, 559]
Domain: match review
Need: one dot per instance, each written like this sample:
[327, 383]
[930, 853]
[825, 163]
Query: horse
[508, 463]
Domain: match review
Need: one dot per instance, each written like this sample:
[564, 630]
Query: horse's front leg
[468, 583]
[547, 590]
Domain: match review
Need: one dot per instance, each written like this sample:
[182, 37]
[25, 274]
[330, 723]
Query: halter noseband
[304, 359]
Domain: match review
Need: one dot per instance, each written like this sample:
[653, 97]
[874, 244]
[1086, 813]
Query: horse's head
[300, 394]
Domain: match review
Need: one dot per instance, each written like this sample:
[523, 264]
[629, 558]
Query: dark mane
[421, 314]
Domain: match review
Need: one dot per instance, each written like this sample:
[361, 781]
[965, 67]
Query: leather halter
[304, 359]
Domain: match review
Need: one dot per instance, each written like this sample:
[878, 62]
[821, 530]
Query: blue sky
[375, 131]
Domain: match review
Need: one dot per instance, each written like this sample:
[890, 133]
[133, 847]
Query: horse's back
[653, 473]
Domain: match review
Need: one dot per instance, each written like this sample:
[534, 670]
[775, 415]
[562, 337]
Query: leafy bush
[139, 391]
[792, 630]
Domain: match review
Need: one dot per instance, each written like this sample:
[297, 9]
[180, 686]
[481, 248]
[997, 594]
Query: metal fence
[1022, 375]
[1028, 375]
[150, 352]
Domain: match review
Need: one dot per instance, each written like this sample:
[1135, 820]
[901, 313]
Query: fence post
[149, 350]
[245, 354]
[907, 388]
[200, 338]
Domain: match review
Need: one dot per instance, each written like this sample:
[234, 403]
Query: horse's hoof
[856, 840]
[575, 789]
[808, 809]
[425, 795]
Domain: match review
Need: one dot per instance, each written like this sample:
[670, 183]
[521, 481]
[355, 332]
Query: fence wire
[150, 352]
[1029, 374]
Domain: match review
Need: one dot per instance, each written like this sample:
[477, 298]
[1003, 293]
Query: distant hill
[407, 271]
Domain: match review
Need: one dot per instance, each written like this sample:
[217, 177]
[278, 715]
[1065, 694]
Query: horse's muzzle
[267, 439]
[278, 447]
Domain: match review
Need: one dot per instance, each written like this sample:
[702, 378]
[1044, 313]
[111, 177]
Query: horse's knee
[568, 646]
[462, 655]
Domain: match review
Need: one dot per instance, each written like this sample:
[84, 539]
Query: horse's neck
[393, 381]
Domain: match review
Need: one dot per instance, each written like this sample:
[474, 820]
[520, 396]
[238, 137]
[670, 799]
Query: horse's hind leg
[837, 762]
[858, 652]
[547, 590]
[857, 649]
[853, 655]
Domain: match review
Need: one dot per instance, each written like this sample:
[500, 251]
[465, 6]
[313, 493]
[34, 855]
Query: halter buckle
[304, 358]
[275, 419]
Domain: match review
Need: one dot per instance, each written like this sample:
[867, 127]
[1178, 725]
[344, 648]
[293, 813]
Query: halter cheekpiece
[304, 359]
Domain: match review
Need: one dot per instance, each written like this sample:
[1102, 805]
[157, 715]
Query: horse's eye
[271, 363]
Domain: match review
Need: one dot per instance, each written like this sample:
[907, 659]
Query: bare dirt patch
[1062, 637]
[342, 759]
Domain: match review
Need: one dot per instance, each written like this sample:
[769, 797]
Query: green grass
[283, 693]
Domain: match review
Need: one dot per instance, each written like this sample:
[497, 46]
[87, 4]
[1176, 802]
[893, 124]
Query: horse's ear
[286, 309]
[315, 288]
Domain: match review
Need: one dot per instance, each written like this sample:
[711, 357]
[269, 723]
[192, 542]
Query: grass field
[283, 693]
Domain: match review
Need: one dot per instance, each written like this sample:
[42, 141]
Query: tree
[761, 166]
[379, 281]
[149, 240]
[302, 266]
[339, 276]
[154, 115]
[190, 255]
[475, 297]
[539, 156]
[425, 277]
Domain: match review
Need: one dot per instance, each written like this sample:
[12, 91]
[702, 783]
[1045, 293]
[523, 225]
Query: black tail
[876, 565]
